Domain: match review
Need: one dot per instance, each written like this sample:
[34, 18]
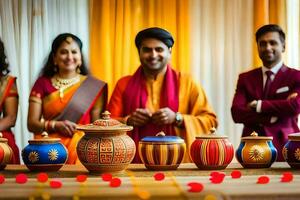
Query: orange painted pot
[162, 152]
[6, 152]
[256, 151]
[105, 147]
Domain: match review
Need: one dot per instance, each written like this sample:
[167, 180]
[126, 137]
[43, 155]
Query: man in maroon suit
[267, 99]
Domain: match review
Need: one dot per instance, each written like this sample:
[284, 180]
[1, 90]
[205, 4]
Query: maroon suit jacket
[250, 87]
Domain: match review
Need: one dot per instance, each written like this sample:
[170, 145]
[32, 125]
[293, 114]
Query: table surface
[138, 183]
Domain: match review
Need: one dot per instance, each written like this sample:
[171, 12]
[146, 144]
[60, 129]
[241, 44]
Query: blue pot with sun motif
[45, 154]
[256, 151]
[291, 151]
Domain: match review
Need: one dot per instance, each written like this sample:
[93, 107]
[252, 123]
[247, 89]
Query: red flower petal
[21, 178]
[115, 182]
[287, 177]
[55, 184]
[236, 174]
[263, 180]
[159, 176]
[195, 187]
[106, 177]
[214, 173]
[217, 178]
[42, 177]
[81, 178]
[2, 179]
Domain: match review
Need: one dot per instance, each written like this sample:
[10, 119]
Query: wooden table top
[138, 183]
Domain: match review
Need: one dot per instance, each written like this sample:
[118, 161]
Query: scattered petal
[195, 187]
[236, 174]
[2, 179]
[159, 176]
[21, 178]
[143, 194]
[214, 173]
[210, 197]
[217, 177]
[287, 177]
[115, 182]
[81, 178]
[45, 195]
[42, 177]
[263, 180]
[55, 184]
[106, 177]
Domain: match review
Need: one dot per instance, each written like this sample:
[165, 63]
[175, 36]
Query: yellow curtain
[267, 12]
[114, 25]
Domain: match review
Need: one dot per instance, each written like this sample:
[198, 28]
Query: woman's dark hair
[3, 61]
[49, 68]
[270, 28]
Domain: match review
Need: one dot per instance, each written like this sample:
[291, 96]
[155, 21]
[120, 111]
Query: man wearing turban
[158, 98]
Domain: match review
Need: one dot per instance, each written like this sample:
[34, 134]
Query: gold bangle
[46, 125]
[53, 125]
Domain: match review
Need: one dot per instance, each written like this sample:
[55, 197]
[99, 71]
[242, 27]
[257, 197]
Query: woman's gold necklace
[61, 84]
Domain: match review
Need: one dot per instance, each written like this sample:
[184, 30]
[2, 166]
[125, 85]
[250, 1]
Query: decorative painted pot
[212, 151]
[105, 147]
[6, 152]
[256, 151]
[162, 152]
[45, 154]
[291, 150]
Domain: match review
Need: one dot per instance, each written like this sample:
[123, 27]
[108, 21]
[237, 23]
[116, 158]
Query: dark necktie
[267, 84]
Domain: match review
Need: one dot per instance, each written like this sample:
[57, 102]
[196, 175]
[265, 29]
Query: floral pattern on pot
[256, 152]
[291, 151]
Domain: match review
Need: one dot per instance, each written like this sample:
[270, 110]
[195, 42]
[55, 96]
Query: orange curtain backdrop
[267, 12]
[114, 25]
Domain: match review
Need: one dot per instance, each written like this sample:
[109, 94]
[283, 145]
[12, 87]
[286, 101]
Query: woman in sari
[8, 105]
[65, 95]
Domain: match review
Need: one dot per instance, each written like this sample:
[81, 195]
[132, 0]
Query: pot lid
[105, 124]
[294, 136]
[161, 137]
[212, 135]
[2, 139]
[254, 136]
[44, 140]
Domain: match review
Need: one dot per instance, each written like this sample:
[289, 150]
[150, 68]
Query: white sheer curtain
[293, 33]
[221, 48]
[27, 29]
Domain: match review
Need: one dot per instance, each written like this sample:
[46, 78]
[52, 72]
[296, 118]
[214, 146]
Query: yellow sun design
[53, 154]
[297, 154]
[284, 152]
[256, 153]
[33, 156]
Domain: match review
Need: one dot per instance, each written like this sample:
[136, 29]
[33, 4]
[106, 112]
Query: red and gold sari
[9, 89]
[53, 105]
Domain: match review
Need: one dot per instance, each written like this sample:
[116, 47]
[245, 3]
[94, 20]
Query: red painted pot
[6, 152]
[212, 152]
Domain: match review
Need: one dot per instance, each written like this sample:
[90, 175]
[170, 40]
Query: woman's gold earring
[78, 70]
